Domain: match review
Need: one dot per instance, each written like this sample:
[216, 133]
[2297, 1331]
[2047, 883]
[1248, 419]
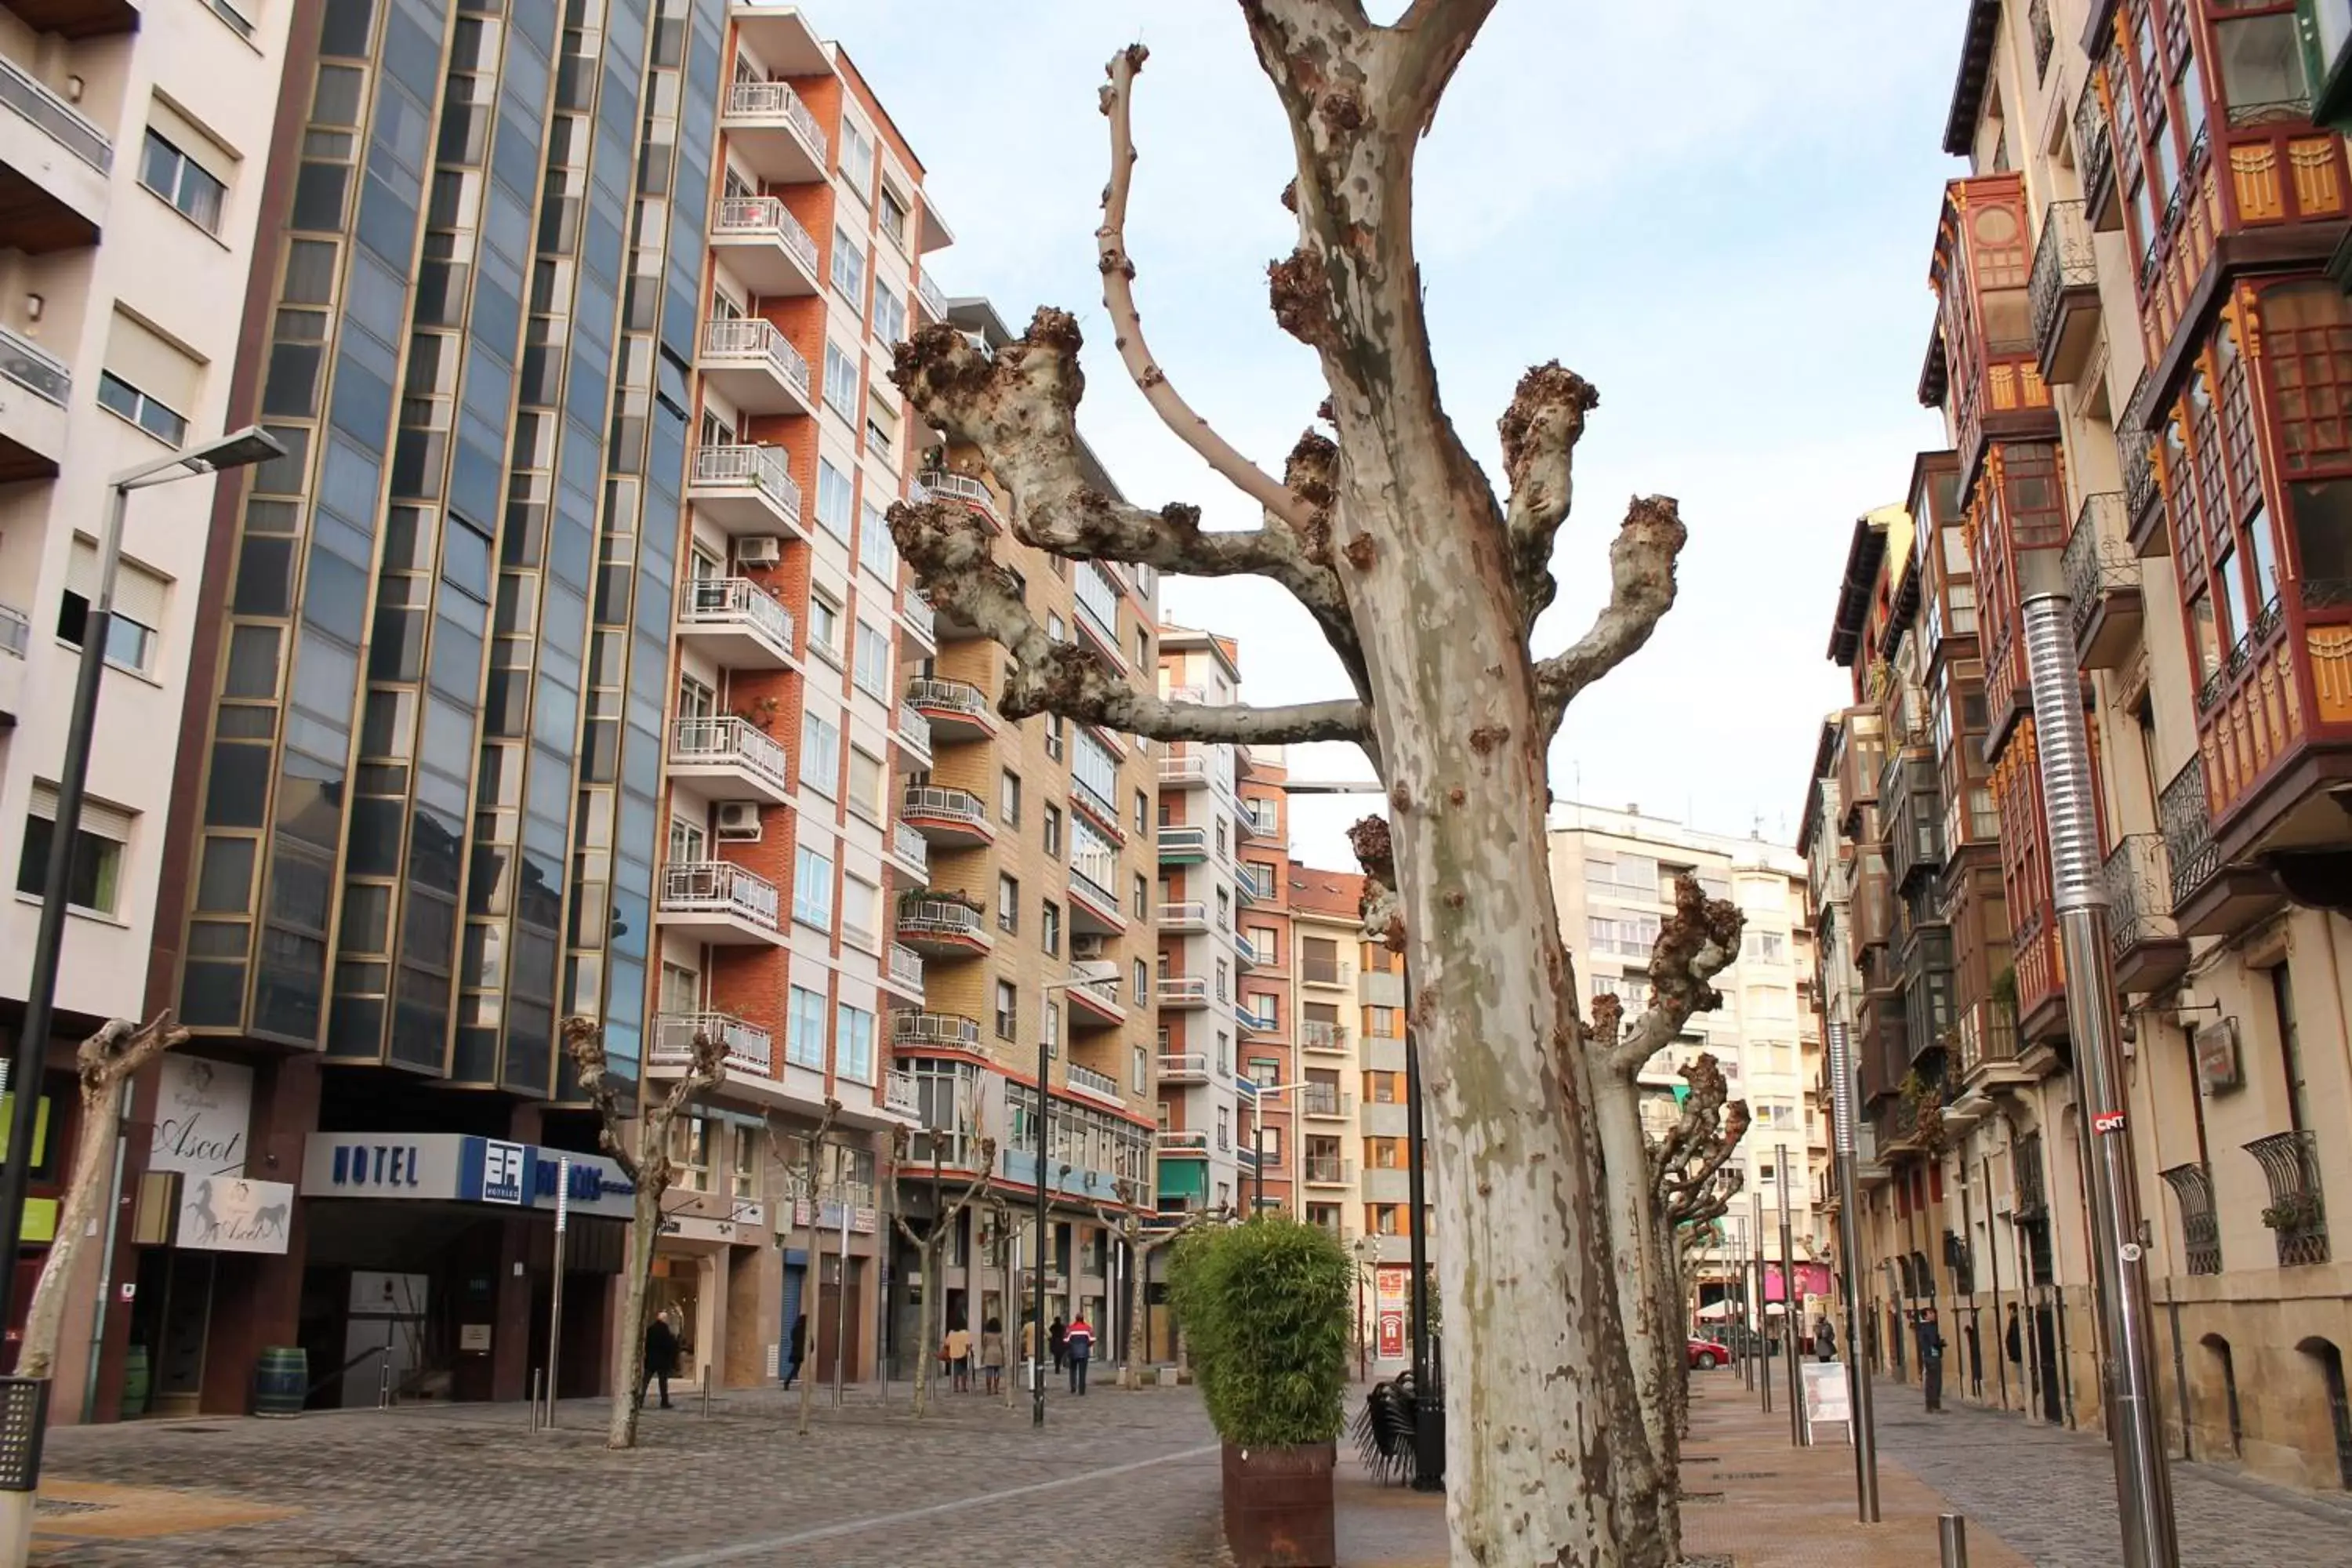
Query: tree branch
[1118, 300]
[1641, 589]
[1429, 41]
[1539, 433]
[950, 548]
[1695, 944]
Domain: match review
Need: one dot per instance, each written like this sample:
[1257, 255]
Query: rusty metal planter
[1278, 1509]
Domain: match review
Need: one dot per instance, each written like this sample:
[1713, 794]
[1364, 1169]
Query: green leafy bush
[1265, 1307]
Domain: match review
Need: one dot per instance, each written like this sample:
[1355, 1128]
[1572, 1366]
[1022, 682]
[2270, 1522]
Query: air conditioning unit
[739, 819]
[1083, 948]
[759, 550]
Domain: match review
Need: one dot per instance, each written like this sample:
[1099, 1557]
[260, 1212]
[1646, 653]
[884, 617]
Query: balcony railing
[730, 741]
[1176, 989]
[754, 467]
[718, 887]
[1184, 1067]
[1101, 1085]
[919, 615]
[952, 805]
[1184, 767]
[59, 120]
[2140, 893]
[2141, 497]
[1320, 1100]
[941, 917]
[1183, 841]
[957, 697]
[724, 601]
[911, 846]
[2200, 1228]
[749, 1048]
[770, 100]
[1318, 1034]
[2037, 17]
[1329, 1169]
[902, 1095]
[753, 338]
[1178, 1142]
[912, 1027]
[1183, 914]
[753, 217]
[2098, 562]
[2095, 155]
[1988, 1034]
[933, 301]
[2063, 259]
[2298, 1215]
[915, 730]
[35, 369]
[946, 485]
[16, 631]
[907, 967]
[2187, 821]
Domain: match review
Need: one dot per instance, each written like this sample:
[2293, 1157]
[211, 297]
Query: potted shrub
[1265, 1307]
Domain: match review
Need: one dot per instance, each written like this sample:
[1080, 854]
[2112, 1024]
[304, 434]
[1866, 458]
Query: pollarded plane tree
[1428, 586]
[1126, 1221]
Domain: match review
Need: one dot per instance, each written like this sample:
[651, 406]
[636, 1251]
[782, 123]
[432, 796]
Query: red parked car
[1706, 1355]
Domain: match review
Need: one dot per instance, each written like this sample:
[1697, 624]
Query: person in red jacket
[1077, 1346]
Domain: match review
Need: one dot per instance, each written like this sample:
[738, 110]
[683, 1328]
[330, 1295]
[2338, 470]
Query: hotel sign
[452, 1167]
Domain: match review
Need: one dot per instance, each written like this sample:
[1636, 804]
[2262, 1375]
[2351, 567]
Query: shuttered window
[140, 597]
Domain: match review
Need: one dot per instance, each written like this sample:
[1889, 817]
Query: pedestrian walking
[2014, 1338]
[1057, 1335]
[1825, 1340]
[661, 1358]
[1077, 1349]
[797, 1350]
[1975, 1356]
[1930, 1336]
[992, 1354]
[959, 1353]
[1029, 1349]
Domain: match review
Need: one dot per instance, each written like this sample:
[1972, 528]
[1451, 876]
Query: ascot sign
[451, 1167]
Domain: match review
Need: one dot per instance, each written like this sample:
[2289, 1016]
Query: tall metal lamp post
[1092, 972]
[23, 1412]
[1849, 1271]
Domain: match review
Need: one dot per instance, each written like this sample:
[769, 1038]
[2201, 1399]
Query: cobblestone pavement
[2051, 1494]
[1128, 1478]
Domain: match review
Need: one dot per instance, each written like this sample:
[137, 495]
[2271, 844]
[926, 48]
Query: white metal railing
[906, 966]
[901, 1095]
[1176, 988]
[735, 601]
[759, 467]
[733, 742]
[1318, 1034]
[1183, 1065]
[1106, 991]
[947, 696]
[1195, 694]
[956, 804]
[15, 630]
[1086, 1080]
[774, 100]
[753, 338]
[1091, 877]
[718, 886]
[1183, 768]
[939, 917]
[1183, 841]
[60, 120]
[915, 730]
[764, 217]
[942, 483]
[1247, 950]
[912, 1027]
[933, 301]
[1255, 885]
[910, 847]
[919, 615]
[35, 369]
[1184, 914]
[1180, 1141]
[749, 1048]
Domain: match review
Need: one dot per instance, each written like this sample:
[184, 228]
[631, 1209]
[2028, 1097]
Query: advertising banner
[1392, 1290]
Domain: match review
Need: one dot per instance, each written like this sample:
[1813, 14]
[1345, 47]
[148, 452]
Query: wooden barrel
[282, 1382]
[136, 1380]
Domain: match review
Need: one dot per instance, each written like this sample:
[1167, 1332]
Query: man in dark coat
[661, 1358]
[1930, 1335]
[797, 1350]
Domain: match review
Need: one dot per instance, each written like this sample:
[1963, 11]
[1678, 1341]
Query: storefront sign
[450, 1167]
[203, 1110]
[1826, 1398]
[226, 1214]
[1391, 1284]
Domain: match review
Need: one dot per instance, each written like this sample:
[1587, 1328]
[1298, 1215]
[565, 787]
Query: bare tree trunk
[645, 1229]
[1130, 1371]
[105, 1061]
[1633, 1242]
[813, 1291]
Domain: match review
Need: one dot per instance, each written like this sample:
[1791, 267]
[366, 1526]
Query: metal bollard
[1952, 1540]
[534, 1399]
[706, 1391]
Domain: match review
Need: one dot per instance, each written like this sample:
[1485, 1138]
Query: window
[805, 1029]
[94, 873]
[1138, 1075]
[1384, 1153]
[142, 410]
[1056, 629]
[172, 175]
[857, 159]
[2261, 69]
[1049, 927]
[1384, 1087]
[1224, 1127]
[1382, 1022]
[1267, 946]
[820, 754]
[746, 1183]
[1384, 1219]
[1052, 830]
[1053, 1026]
[1008, 904]
[1225, 1054]
[854, 1044]
[872, 671]
[689, 1150]
[890, 314]
[848, 269]
[130, 627]
[1008, 1010]
[1057, 734]
[1264, 1071]
[1142, 904]
[1142, 812]
[841, 382]
[1008, 797]
[825, 628]
[866, 780]
[1269, 1145]
[1318, 960]
[1142, 982]
[812, 888]
[892, 215]
[833, 491]
[1224, 910]
[147, 379]
[876, 548]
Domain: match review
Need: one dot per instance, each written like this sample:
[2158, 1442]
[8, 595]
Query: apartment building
[2139, 310]
[1613, 875]
[1269, 1007]
[1028, 897]
[135, 201]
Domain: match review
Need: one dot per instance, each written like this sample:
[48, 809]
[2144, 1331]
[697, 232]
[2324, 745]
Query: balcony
[1185, 991]
[79, 18]
[750, 1050]
[2040, 979]
[2148, 950]
[721, 903]
[902, 1098]
[1184, 1066]
[1185, 917]
[34, 390]
[16, 638]
[773, 132]
[755, 366]
[2103, 585]
[745, 490]
[2210, 896]
[902, 971]
[1995, 381]
[928, 294]
[1327, 1170]
[942, 928]
[730, 759]
[1094, 907]
[2144, 520]
[1252, 886]
[53, 166]
[1183, 845]
[910, 853]
[1099, 1087]
[1094, 1005]
[914, 735]
[736, 622]
[1245, 953]
[1258, 819]
[1915, 839]
[974, 493]
[2063, 294]
[950, 819]
[1326, 1102]
[2297, 1213]
[1180, 1143]
[759, 240]
[913, 1029]
[1184, 770]
[956, 710]
[2200, 1228]
[1251, 1023]
[1986, 1050]
[1318, 1034]
[2095, 163]
[919, 621]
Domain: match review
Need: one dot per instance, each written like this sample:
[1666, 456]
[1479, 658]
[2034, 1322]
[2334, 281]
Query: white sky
[1720, 213]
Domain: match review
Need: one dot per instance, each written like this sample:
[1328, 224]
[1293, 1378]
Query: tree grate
[1706, 1560]
[1748, 1476]
[1701, 1497]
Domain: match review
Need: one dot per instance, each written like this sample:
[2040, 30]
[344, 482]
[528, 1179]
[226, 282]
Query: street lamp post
[1849, 1225]
[1763, 1339]
[21, 1427]
[1093, 971]
[1789, 1300]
